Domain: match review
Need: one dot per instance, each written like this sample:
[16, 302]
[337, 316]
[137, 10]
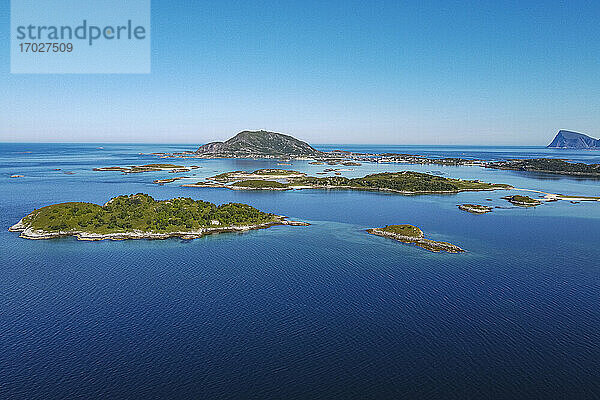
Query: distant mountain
[259, 143]
[574, 140]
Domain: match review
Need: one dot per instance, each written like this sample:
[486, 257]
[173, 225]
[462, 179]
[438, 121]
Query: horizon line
[312, 144]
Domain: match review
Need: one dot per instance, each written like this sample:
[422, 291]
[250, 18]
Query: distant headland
[574, 140]
[259, 143]
[264, 144]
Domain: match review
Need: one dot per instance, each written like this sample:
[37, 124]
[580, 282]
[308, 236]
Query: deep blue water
[324, 311]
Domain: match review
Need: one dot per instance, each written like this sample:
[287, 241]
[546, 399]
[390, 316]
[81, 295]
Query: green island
[258, 144]
[259, 184]
[169, 180]
[405, 182]
[259, 174]
[139, 216]
[475, 208]
[134, 169]
[525, 201]
[551, 197]
[548, 165]
[412, 235]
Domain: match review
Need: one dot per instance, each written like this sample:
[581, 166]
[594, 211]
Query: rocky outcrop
[419, 241]
[259, 143]
[573, 140]
[475, 208]
[29, 233]
[547, 166]
[524, 201]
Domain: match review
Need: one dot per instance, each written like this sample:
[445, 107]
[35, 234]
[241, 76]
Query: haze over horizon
[388, 72]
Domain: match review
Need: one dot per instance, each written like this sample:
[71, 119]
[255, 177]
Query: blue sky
[397, 72]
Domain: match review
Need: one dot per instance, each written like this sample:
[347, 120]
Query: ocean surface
[319, 312]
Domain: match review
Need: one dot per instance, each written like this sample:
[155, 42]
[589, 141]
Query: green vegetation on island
[259, 174]
[169, 180]
[403, 230]
[523, 200]
[133, 169]
[412, 235]
[260, 184]
[475, 208]
[141, 216]
[548, 165]
[406, 182]
[258, 144]
[276, 172]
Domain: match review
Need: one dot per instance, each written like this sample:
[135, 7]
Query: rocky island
[169, 180]
[139, 216]
[405, 182]
[548, 165]
[262, 174]
[475, 208]
[257, 184]
[258, 144]
[524, 201]
[134, 169]
[412, 235]
[574, 140]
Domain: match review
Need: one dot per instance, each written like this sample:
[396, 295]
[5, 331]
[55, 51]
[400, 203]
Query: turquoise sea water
[324, 311]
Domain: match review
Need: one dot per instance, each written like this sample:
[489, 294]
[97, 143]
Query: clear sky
[396, 72]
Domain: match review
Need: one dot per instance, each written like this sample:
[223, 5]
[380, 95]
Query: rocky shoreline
[419, 241]
[28, 233]
[231, 187]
